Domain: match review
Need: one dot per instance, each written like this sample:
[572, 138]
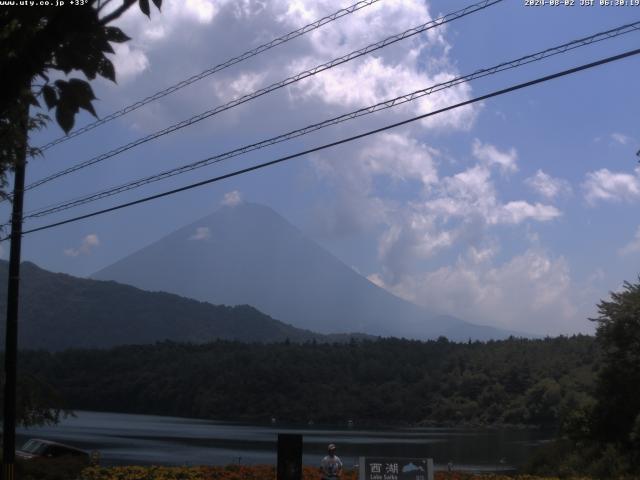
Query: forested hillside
[60, 311]
[515, 381]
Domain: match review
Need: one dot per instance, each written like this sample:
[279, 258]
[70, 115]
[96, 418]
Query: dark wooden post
[289, 457]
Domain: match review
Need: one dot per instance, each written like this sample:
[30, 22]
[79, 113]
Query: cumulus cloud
[472, 193]
[620, 138]
[175, 14]
[194, 25]
[633, 246]
[128, 61]
[547, 186]
[201, 233]
[482, 254]
[202, 11]
[376, 279]
[401, 158]
[519, 211]
[531, 292]
[231, 199]
[431, 213]
[388, 73]
[464, 207]
[605, 185]
[87, 245]
[244, 84]
[396, 160]
[411, 236]
[489, 155]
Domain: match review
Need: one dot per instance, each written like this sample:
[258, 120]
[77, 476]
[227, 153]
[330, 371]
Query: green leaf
[65, 118]
[73, 95]
[89, 108]
[81, 94]
[50, 96]
[82, 87]
[114, 34]
[144, 6]
[100, 41]
[91, 65]
[105, 68]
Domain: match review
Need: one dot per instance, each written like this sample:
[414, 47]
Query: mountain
[58, 311]
[248, 254]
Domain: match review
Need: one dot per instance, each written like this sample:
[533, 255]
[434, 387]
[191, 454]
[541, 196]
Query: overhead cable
[210, 71]
[275, 86]
[534, 57]
[336, 143]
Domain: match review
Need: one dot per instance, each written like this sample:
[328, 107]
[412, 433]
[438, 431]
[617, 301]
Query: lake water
[146, 439]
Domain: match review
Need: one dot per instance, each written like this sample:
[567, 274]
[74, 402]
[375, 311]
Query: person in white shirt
[331, 465]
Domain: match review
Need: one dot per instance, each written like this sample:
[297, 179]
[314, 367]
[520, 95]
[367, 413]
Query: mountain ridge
[59, 311]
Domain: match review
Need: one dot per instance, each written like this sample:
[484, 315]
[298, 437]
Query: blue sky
[519, 212]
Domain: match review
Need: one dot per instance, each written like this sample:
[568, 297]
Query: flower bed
[258, 472]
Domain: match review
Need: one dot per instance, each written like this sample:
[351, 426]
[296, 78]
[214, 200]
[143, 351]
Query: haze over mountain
[248, 254]
[58, 311]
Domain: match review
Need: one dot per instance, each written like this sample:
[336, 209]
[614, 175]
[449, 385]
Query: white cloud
[179, 25]
[547, 186]
[414, 63]
[604, 185]
[368, 175]
[489, 155]
[128, 61]
[202, 11]
[463, 210]
[410, 236]
[243, 84]
[531, 292]
[620, 138]
[376, 279]
[174, 15]
[231, 199]
[88, 243]
[202, 233]
[517, 212]
[400, 157]
[633, 246]
[481, 255]
[389, 72]
[429, 213]
[154, 33]
[471, 193]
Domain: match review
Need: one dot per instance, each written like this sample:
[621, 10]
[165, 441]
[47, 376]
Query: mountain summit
[248, 254]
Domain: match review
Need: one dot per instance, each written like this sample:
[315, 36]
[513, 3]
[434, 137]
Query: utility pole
[11, 330]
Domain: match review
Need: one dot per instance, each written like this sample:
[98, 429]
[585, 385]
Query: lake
[147, 439]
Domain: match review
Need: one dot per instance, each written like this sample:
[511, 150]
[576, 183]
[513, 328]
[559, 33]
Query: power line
[210, 71]
[612, 33]
[258, 93]
[339, 142]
